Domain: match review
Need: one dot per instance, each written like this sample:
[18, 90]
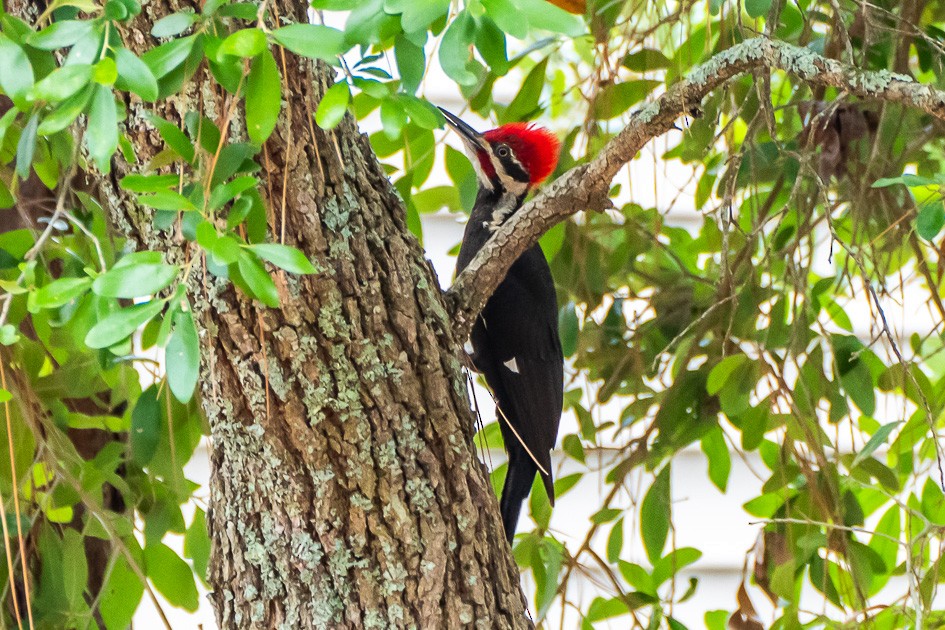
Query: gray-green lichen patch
[648, 112]
[877, 81]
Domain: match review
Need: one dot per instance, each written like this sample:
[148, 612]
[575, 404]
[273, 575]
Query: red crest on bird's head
[535, 147]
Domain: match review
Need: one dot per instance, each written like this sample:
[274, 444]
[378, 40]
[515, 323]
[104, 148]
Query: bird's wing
[523, 363]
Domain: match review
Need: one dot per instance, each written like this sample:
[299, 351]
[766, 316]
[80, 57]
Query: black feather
[517, 348]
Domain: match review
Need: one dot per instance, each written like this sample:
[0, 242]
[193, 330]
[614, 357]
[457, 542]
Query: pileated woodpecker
[515, 339]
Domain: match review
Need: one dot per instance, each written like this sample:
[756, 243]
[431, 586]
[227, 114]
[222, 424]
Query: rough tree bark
[346, 491]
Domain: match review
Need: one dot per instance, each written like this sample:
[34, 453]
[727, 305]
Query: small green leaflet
[930, 220]
[134, 75]
[174, 137]
[63, 82]
[257, 279]
[60, 34]
[311, 40]
[655, 515]
[173, 24]
[285, 257]
[183, 357]
[66, 112]
[167, 200]
[332, 107]
[263, 97]
[757, 8]
[171, 576]
[15, 84]
[145, 426]
[119, 325]
[101, 136]
[59, 292]
[26, 147]
[247, 42]
[135, 280]
[454, 49]
[879, 438]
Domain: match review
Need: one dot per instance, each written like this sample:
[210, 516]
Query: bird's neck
[492, 208]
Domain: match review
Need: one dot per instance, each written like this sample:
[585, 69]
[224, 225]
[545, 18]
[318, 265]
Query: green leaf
[16, 84]
[6, 197]
[121, 595]
[263, 97]
[757, 8]
[183, 357]
[59, 292]
[167, 57]
[545, 16]
[60, 34]
[906, 179]
[930, 220]
[241, 10]
[601, 609]
[66, 112]
[616, 98]
[878, 439]
[247, 42]
[571, 444]
[135, 75]
[722, 371]
[637, 577]
[416, 15]
[197, 544]
[148, 183]
[312, 40]
[145, 426]
[393, 118]
[454, 49]
[75, 568]
[720, 461]
[525, 103]
[668, 566]
[655, 515]
[226, 250]
[615, 542]
[285, 257]
[257, 279]
[167, 200]
[223, 193]
[332, 107]
[134, 280]
[101, 136]
[105, 72]
[646, 59]
[119, 325]
[174, 137]
[411, 63]
[569, 326]
[508, 17]
[173, 24]
[26, 147]
[171, 576]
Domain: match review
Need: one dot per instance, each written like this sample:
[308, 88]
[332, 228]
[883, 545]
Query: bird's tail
[518, 483]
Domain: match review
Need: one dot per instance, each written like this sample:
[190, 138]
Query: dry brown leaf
[572, 6]
[844, 125]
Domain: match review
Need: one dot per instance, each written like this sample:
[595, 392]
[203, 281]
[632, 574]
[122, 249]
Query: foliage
[757, 331]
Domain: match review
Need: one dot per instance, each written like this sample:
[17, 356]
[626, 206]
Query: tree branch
[585, 187]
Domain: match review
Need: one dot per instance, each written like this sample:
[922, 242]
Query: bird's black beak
[471, 138]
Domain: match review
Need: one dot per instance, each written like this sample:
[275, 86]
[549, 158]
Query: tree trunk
[346, 490]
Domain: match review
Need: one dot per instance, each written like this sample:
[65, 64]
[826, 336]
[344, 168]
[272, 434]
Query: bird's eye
[502, 151]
